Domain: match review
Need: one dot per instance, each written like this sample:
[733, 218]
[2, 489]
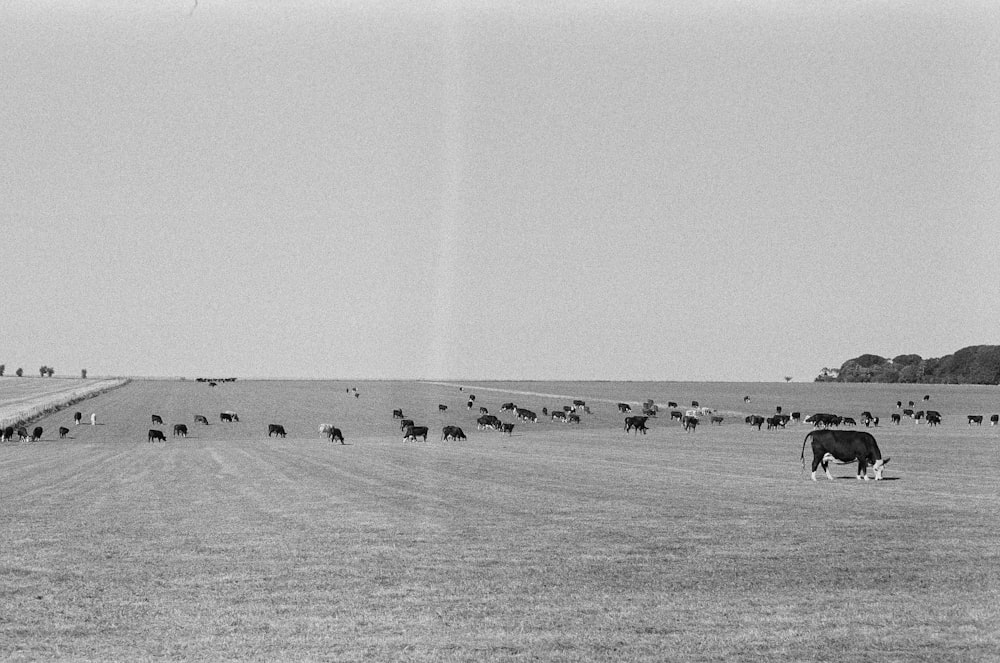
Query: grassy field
[27, 398]
[558, 543]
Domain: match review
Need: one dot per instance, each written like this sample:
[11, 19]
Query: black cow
[506, 428]
[413, 432]
[636, 423]
[405, 423]
[488, 421]
[716, 419]
[335, 435]
[397, 414]
[559, 415]
[774, 422]
[200, 419]
[36, 433]
[155, 435]
[846, 447]
[442, 408]
[157, 419]
[180, 430]
[975, 419]
[796, 417]
[469, 404]
[689, 423]
[8, 433]
[77, 418]
[994, 418]
[452, 432]
[624, 407]
[849, 421]
[579, 403]
[63, 432]
[275, 429]
[671, 404]
[676, 414]
[228, 415]
[895, 418]
[22, 434]
[508, 407]
[526, 415]
[755, 420]
[573, 419]
[483, 410]
[933, 419]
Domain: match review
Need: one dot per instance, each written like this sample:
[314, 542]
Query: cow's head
[878, 467]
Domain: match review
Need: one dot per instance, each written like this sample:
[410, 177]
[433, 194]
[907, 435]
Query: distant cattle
[824, 419]
[526, 415]
[156, 435]
[452, 432]
[200, 419]
[22, 434]
[8, 433]
[405, 423]
[849, 421]
[671, 404]
[413, 432]
[180, 430]
[638, 424]
[63, 432]
[276, 430]
[442, 408]
[676, 414]
[934, 412]
[845, 447]
[624, 407]
[559, 415]
[397, 414]
[689, 423]
[508, 407]
[773, 422]
[755, 420]
[228, 415]
[488, 421]
[469, 404]
[507, 429]
[907, 412]
[483, 410]
[933, 419]
[157, 419]
[975, 419]
[77, 418]
[716, 419]
[573, 419]
[927, 397]
[894, 418]
[335, 435]
[994, 418]
[796, 417]
[93, 419]
[694, 404]
[579, 403]
[36, 433]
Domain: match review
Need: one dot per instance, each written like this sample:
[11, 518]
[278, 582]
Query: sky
[719, 191]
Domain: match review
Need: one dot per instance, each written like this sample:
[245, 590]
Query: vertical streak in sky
[449, 223]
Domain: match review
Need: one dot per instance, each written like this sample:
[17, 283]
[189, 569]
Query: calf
[413, 432]
[275, 429]
[573, 419]
[624, 407]
[559, 415]
[483, 410]
[156, 435]
[180, 430]
[397, 414]
[63, 432]
[157, 419]
[845, 447]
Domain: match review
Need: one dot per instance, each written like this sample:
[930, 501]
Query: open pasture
[560, 542]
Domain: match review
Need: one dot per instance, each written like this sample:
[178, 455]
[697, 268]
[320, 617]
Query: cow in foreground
[845, 447]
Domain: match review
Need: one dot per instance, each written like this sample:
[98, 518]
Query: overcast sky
[594, 190]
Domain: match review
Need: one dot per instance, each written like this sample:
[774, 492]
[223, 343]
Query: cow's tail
[804, 450]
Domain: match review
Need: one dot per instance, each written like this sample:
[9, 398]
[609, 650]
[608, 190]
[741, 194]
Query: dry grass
[558, 543]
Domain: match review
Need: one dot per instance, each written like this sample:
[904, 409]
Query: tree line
[43, 371]
[975, 364]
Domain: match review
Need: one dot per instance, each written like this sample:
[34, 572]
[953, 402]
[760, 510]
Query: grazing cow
[335, 435]
[894, 417]
[275, 429]
[8, 433]
[755, 420]
[452, 432]
[488, 421]
[200, 419]
[442, 408]
[397, 414]
[824, 419]
[933, 419]
[689, 423]
[157, 419]
[849, 421]
[526, 415]
[975, 419]
[413, 432]
[559, 415]
[506, 428]
[844, 446]
[676, 414]
[155, 435]
[573, 419]
[403, 424]
[716, 419]
[229, 415]
[483, 410]
[694, 404]
[907, 412]
[624, 407]
[63, 432]
[324, 429]
[579, 403]
[927, 397]
[36, 433]
[934, 412]
[180, 430]
[911, 403]
[636, 423]
[671, 404]
[773, 422]
[508, 407]
[22, 434]
[77, 418]
[994, 418]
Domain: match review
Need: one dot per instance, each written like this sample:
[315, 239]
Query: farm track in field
[558, 543]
